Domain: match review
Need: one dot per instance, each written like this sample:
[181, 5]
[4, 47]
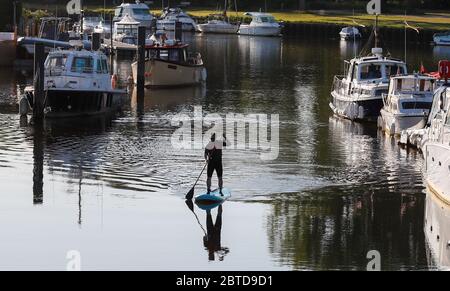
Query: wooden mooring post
[95, 41]
[39, 94]
[140, 78]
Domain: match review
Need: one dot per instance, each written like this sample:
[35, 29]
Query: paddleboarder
[213, 156]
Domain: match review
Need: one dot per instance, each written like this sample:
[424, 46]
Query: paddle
[190, 194]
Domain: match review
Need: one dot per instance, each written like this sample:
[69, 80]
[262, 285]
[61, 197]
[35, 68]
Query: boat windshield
[414, 86]
[56, 62]
[394, 69]
[118, 12]
[416, 105]
[370, 71]
[172, 55]
[267, 19]
[141, 11]
[82, 64]
[102, 66]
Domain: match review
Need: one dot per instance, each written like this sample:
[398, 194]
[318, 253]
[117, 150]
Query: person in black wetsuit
[213, 154]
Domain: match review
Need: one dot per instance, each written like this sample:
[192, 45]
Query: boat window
[82, 64]
[416, 105]
[406, 85]
[118, 12]
[98, 67]
[370, 71]
[153, 54]
[267, 19]
[426, 86]
[140, 11]
[185, 55]
[174, 56]
[164, 54]
[105, 66]
[56, 62]
[393, 70]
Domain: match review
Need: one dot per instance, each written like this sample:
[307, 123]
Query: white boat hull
[442, 40]
[394, 124]
[211, 28]
[437, 165]
[259, 30]
[437, 232]
[165, 74]
[170, 26]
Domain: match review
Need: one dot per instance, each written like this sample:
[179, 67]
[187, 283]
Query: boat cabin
[139, 11]
[412, 92]
[177, 54]
[126, 30]
[412, 85]
[80, 69]
[261, 17]
[373, 69]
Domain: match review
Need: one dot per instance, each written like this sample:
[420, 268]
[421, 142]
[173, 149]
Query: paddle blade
[190, 194]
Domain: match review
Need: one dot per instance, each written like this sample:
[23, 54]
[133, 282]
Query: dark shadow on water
[213, 234]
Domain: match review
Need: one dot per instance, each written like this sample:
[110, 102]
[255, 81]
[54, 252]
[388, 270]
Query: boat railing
[337, 83]
[356, 90]
[384, 96]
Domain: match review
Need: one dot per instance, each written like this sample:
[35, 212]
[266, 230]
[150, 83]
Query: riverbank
[431, 21]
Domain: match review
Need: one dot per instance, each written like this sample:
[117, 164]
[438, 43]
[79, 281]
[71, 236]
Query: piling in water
[39, 94]
[95, 41]
[140, 78]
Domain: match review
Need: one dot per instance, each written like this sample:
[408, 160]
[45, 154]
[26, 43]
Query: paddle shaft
[200, 175]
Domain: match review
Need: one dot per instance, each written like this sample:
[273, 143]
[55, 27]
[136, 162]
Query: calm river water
[113, 188]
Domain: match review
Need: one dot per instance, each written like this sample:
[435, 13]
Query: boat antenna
[56, 28]
[354, 36]
[376, 30]
[406, 28]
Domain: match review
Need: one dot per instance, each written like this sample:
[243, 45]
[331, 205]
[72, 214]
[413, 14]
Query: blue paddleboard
[214, 197]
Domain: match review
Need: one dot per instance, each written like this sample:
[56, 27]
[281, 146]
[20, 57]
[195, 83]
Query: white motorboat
[407, 104]
[357, 95]
[78, 83]
[262, 24]
[436, 152]
[140, 12]
[350, 33]
[104, 28]
[172, 15]
[168, 64]
[218, 26]
[126, 30]
[442, 38]
[90, 22]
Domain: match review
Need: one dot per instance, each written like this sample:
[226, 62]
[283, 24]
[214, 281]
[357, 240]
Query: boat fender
[23, 106]
[444, 69]
[114, 81]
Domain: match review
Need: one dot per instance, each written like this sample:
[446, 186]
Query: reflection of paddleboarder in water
[212, 240]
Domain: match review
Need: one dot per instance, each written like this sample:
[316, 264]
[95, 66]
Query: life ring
[114, 81]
